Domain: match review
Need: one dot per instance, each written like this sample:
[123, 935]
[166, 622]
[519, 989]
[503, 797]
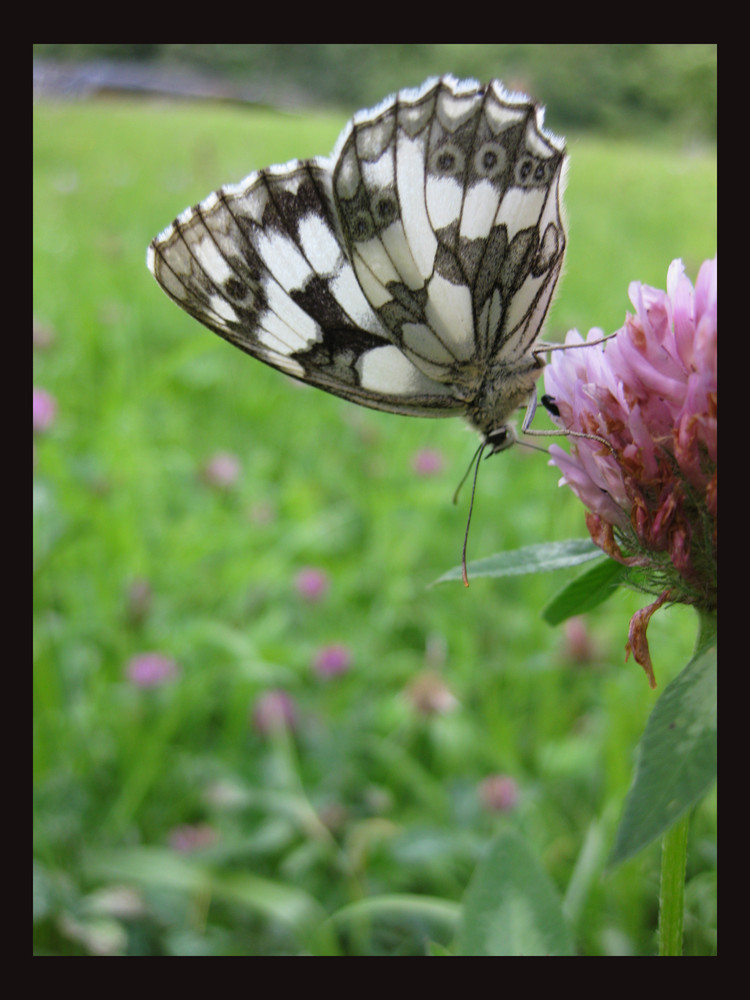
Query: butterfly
[411, 271]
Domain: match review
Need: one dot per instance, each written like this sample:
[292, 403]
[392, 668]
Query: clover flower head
[274, 710]
[499, 793]
[332, 660]
[650, 392]
[149, 670]
[45, 410]
[427, 462]
[312, 584]
[222, 470]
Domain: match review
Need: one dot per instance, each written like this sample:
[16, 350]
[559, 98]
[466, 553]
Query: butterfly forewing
[411, 272]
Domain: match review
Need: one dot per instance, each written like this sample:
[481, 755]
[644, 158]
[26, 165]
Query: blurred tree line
[623, 89]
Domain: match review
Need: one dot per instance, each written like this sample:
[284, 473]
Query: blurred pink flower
[579, 645]
[651, 393]
[430, 695]
[139, 599]
[45, 410]
[274, 710]
[192, 837]
[43, 335]
[311, 584]
[498, 793]
[222, 470]
[332, 661]
[263, 512]
[427, 462]
[151, 669]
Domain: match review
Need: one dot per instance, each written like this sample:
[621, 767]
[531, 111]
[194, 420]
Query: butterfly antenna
[474, 458]
[475, 461]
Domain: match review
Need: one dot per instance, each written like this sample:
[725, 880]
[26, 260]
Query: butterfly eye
[490, 160]
[361, 226]
[531, 172]
[523, 170]
[448, 160]
[499, 439]
[384, 209]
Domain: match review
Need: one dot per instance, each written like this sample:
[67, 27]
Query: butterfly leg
[542, 349]
[530, 411]
[549, 404]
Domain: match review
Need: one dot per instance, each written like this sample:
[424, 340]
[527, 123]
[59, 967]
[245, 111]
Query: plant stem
[674, 845]
[707, 629]
[672, 889]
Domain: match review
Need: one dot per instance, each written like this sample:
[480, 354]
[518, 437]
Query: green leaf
[677, 758]
[159, 868]
[530, 559]
[511, 907]
[587, 591]
[397, 906]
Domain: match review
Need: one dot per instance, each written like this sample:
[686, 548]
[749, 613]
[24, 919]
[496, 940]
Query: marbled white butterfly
[409, 272]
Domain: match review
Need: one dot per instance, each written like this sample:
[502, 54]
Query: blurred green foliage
[657, 89]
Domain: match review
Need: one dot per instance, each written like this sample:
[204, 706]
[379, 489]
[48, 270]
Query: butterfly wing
[261, 264]
[411, 272]
[449, 201]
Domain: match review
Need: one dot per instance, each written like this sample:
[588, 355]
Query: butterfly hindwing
[449, 202]
[261, 264]
[411, 272]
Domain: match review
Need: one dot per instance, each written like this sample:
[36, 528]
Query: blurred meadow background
[258, 729]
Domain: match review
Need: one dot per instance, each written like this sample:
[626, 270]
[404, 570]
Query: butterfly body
[410, 272]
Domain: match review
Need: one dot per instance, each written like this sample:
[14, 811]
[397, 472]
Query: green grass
[145, 396]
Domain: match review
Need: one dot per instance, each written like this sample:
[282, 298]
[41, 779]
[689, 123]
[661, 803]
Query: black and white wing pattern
[409, 272]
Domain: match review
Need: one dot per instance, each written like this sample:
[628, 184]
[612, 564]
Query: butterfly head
[501, 439]
[506, 388]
